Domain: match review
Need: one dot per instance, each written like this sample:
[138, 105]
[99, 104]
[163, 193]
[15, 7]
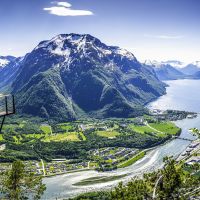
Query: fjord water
[181, 95]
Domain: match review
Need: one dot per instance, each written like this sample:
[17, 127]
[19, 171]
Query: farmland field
[72, 136]
[141, 129]
[159, 128]
[132, 160]
[108, 134]
[167, 127]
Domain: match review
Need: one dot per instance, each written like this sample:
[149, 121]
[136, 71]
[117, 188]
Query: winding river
[181, 95]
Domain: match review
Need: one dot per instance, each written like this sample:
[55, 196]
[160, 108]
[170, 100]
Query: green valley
[84, 144]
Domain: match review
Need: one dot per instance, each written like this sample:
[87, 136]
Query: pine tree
[16, 184]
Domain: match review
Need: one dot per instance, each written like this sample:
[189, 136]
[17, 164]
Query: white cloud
[64, 9]
[64, 4]
[166, 37]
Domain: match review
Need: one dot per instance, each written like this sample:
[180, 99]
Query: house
[193, 160]
[82, 127]
[2, 147]
[103, 128]
[194, 145]
[123, 125]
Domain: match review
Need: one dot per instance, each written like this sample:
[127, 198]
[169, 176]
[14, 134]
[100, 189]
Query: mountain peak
[71, 38]
[64, 44]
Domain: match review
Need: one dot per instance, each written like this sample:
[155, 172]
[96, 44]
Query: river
[181, 95]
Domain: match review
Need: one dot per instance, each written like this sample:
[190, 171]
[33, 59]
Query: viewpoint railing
[7, 107]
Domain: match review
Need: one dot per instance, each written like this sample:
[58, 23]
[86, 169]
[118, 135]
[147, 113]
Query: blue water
[181, 95]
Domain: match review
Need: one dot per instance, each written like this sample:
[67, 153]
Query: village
[191, 155]
[111, 155]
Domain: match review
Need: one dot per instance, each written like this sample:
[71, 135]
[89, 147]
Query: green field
[1, 137]
[66, 126]
[160, 128]
[166, 127]
[132, 160]
[141, 129]
[35, 135]
[108, 134]
[46, 129]
[72, 136]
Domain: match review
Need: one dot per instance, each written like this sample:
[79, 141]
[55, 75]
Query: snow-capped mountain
[166, 70]
[172, 63]
[191, 68]
[73, 75]
[185, 68]
[61, 45]
[175, 63]
[172, 69]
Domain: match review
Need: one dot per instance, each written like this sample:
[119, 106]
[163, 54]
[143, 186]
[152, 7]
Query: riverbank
[69, 172]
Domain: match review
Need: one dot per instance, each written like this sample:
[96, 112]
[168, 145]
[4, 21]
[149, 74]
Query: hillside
[76, 75]
[196, 75]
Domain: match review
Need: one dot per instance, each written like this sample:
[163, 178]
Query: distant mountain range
[170, 70]
[191, 69]
[75, 75]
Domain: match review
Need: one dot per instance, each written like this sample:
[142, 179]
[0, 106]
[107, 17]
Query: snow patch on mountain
[196, 63]
[3, 62]
[123, 52]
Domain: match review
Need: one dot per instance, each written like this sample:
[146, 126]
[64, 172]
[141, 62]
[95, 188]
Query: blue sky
[151, 29]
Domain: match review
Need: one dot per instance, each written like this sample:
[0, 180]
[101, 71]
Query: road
[43, 168]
